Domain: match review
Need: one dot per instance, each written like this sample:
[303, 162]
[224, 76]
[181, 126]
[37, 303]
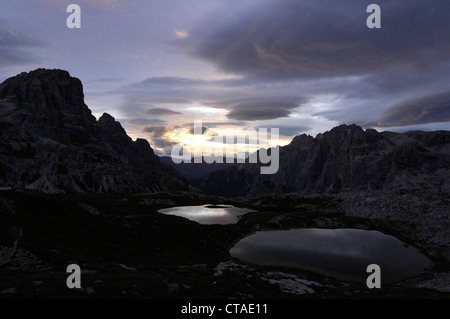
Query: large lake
[340, 253]
[208, 214]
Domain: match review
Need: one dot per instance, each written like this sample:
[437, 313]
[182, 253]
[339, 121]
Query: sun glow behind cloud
[181, 34]
[227, 142]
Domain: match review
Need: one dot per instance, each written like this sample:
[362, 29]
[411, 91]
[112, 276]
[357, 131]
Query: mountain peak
[46, 89]
[50, 141]
[114, 128]
[108, 120]
[346, 128]
[56, 74]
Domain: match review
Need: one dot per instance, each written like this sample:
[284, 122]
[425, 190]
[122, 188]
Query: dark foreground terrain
[127, 250]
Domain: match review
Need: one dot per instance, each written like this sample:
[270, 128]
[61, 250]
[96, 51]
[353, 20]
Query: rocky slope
[50, 141]
[346, 158]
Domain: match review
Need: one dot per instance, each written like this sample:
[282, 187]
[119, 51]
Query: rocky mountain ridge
[51, 142]
[346, 158]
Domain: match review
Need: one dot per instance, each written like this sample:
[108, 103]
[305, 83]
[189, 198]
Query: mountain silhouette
[51, 142]
[346, 158]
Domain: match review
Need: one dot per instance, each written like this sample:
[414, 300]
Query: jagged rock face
[50, 141]
[346, 158]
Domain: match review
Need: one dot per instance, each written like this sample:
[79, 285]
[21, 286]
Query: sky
[302, 66]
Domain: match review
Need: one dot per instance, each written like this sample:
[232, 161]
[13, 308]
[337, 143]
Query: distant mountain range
[346, 158]
[193, 170]
[50, 141]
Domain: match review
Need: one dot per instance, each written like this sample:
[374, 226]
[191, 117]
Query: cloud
[157, 130]
[244, 99]
[15, 47]
[181, 34]
[162, 111]
[157, 134]
[164, 144]
[287, 38]
[428, 109]
[145, 121]
[228, 123]
[264, 108]
[203, 130]
[306, 60]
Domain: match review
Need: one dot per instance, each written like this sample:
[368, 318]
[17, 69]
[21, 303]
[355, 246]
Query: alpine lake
[342, 253]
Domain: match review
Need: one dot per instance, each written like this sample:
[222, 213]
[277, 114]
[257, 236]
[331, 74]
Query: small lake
[341, 253]
[208, 214]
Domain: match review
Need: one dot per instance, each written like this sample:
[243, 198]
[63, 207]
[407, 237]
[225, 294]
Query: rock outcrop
[50, 141]
[344, 159]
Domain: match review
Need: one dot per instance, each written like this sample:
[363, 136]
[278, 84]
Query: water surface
[208, 214]
[341, 253]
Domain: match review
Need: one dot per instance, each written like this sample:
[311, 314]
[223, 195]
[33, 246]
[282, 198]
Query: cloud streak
[161, 111]
[244, 101]
[264, 108]
[423, 110]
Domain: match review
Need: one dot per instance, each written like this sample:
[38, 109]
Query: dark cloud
[423, 110]
[230, 123]
[161, 111]
[157, 130]
[291, 53]
[192, 129]
[264, 108]
[262, 113]
[158, 138]
[144, 121]
[163, 143]
[295, 38]
[403, 80]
